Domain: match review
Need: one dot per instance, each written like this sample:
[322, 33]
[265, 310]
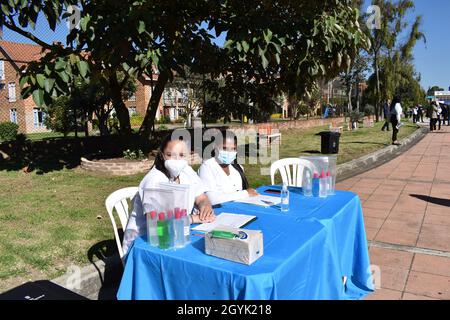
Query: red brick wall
[24, 107]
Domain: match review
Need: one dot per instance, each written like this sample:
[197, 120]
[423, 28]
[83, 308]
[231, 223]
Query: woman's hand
[206, 212]
[252, 192]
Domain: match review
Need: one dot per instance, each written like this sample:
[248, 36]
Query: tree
[354, 76]
[271, 47]
[433, 89]
[391, 58]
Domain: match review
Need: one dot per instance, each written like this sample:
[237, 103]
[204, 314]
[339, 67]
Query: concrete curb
[97, 281]
[355, 167]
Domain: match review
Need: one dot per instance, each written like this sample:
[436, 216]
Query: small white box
[246, 248]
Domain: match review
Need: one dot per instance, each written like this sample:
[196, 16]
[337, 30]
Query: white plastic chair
[292, 177]
[118, 200]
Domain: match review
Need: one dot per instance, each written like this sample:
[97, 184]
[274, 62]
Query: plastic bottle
[152, 230]
[163, 232]
[171, 227]
[187, 226]
[323, 190]
[285, 198]
[178, 228]
[316, 185]
[330, 183]
[307, 183]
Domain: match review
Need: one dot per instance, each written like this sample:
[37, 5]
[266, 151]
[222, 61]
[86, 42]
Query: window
[13, 115]
[12, 92]
[132, 110]
[2, 70]
[38, 118]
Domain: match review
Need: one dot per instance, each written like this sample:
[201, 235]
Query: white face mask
[175, 167]
[226, 157]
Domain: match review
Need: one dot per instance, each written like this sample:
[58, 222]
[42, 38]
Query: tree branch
[13, 27]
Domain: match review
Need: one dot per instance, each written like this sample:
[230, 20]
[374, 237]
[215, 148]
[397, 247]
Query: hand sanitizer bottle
[285, 198]
[316, 185]
[323, 192]
[152, 232]
[187, 226]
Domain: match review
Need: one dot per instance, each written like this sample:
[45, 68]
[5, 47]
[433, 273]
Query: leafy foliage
[8, 131]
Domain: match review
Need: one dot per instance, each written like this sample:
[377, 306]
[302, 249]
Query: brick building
[13, 108]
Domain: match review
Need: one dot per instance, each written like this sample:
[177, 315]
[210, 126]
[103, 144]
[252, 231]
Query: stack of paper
[226, 220]
[261, 200]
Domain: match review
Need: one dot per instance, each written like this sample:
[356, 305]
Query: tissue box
[246, 247]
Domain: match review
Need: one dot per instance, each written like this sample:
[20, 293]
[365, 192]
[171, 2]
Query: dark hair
[394, 102]
[235, 164]
[159, 159]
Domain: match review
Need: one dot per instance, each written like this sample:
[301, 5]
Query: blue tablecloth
[307, 252]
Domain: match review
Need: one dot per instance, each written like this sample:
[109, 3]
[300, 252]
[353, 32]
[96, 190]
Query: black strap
[243, 177]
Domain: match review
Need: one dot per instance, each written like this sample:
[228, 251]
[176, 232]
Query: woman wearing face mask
[170, 166]
[223, 176]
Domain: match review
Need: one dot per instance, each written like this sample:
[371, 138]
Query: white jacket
[221, 187]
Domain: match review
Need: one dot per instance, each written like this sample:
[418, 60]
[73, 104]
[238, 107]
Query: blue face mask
[226, 157]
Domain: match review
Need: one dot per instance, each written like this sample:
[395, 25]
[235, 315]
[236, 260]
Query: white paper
[261, 200]
[226, 220]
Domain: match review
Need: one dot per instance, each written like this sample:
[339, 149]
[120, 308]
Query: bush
[355, 116]
[136, 120]
[8, 131]
[163, 127]
[133, 154]
[275, 116]
[164, 120]
[369, 110]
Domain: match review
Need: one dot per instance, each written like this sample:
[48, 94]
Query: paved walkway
[406, 204]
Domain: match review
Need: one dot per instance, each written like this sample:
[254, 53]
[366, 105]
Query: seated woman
[223, 177]
[170, 166]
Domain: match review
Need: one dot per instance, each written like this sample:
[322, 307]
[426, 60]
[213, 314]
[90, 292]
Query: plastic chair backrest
[291, 170]
[118, 201]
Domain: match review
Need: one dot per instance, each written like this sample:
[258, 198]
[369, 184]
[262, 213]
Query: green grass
[49, 221]
[48, 135]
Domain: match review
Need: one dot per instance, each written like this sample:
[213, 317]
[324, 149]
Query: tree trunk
[377, 96]
[149, 119]
[122, 112]
[349, 96]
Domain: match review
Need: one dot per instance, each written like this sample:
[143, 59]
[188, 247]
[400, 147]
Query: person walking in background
[433, 115]
[439, 116]
[415, 118]
[420, 114]
[396, 117]
[387, 116]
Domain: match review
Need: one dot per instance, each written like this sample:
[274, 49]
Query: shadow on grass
[438, 201]
[106, 251]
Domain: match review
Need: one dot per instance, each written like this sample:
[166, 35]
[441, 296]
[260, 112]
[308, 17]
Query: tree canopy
[270, 46]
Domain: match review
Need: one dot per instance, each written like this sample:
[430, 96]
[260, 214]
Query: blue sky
[432, 60]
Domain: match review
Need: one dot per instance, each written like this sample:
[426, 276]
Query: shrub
[163, 127]
[8, 131]
[369, 110]
[164, 120]
[133, 154]
[355, 116]
[136, 120]
[275, 116]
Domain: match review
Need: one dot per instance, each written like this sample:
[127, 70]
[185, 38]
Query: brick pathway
[406, 204]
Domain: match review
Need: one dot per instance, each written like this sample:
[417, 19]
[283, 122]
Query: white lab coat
[221, 187]
[137, 223]
[397, 111]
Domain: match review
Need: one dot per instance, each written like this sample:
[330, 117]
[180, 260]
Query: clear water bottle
[152, 229]
[323, 191]
[285, 198]
[307, 183]
[178, 228]
[187, 226]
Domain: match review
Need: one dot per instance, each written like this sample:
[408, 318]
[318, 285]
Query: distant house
[13, 108]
